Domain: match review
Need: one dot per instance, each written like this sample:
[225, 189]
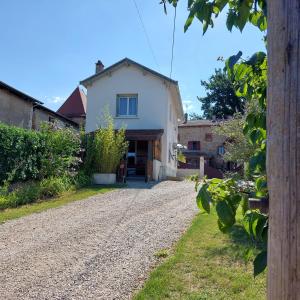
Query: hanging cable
[145, 32]
[173, 42]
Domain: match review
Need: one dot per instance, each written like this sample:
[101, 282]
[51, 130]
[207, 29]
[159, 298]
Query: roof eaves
[57, 114]
[19, 93]
[87, 80]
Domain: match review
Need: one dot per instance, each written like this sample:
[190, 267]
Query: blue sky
[47, 47]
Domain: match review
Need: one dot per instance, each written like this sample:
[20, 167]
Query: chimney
[185, 118]
[99, 66]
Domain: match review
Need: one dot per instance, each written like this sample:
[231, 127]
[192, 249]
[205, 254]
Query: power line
[145, 32]
[173, 41]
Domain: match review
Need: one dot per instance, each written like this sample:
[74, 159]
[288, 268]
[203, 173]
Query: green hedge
[27, 154]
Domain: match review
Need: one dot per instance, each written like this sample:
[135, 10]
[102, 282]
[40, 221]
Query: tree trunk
[283, 163]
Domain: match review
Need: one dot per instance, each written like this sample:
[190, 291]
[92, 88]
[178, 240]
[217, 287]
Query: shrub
[105, 149]
[20, 153]
[81, 179]
[27, 194]
[54, 186]
[27, 154]
[5, 202]
[61, 149]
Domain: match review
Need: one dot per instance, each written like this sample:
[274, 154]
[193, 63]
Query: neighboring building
[44, 114]
[148, 104]
[19, 109]
[199, 139]
[74, 107]
[16, 108]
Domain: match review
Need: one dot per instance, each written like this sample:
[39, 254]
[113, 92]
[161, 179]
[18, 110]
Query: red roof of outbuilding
[75, 105]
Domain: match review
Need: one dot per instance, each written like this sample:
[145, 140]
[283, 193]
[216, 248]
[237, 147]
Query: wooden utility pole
[283, 163]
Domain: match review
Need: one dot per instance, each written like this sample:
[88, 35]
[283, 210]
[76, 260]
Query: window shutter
[190, 145]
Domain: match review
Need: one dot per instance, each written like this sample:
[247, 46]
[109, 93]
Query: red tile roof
[75, 105]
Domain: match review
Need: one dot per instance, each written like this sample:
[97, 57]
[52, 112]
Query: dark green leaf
[221, 4]
[232, 60]
[225, 213]
[189, 21]
[231, 19]
[203, 198]
[260, 263]
[222, 227]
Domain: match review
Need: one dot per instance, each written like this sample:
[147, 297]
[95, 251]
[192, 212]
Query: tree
[221, 100]
[195, 116]
[237, 146]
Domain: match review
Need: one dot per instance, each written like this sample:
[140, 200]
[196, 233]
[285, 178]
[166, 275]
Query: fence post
[201, 170]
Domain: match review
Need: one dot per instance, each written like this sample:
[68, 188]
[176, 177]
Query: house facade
[148, 105]
[200, 141]
[19, 109]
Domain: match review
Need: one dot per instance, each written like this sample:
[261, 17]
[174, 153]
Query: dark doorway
[137, 158]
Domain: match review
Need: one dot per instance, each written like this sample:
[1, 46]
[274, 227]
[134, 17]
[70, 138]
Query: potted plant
[105, 149]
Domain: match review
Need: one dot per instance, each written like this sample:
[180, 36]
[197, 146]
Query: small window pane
[122, 106]
[132, 106]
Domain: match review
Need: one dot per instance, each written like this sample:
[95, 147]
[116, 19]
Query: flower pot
[104, 178]
[259, 203]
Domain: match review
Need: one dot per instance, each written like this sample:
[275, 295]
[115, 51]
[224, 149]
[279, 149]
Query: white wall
[171, 137]
[152, 95]
[154, 103]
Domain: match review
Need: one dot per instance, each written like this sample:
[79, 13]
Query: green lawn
[14, 213]
[206, 264]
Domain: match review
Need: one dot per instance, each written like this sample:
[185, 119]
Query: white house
[148, 105]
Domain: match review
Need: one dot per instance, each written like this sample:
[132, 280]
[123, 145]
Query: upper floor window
[127, 105]
[221, 150]
[208, 137]
[194, 145]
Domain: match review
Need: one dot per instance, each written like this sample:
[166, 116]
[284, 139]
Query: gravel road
[99, 248]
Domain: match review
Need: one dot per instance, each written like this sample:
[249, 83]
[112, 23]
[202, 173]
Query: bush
[54, 186]
[23, 195]
[29, 193]
[27, 154]
[81, 179]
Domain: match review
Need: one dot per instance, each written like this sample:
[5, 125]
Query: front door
[137, 159]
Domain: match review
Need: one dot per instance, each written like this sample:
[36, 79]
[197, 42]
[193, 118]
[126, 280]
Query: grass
[71, 196]
[206, 264]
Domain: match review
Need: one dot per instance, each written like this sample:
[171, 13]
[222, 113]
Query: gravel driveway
[99, 248]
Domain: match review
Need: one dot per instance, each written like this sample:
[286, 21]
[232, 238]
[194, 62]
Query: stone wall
[15, 111]
[198, 133]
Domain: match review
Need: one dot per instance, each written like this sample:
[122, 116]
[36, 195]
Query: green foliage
[237, 145]
[228, 196]
[61, 149]
[181, 157]
[105, 149]
[27, 154]
[195, 116]
[221, 100]
[239, 12]
[20, 153]
[32, 191]
[54, 186]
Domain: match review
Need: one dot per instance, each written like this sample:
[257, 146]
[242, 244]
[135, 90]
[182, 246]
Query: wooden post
[201, 167]
[283, 163]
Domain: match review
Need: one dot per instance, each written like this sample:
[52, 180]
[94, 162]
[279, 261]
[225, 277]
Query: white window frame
[128, 96]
